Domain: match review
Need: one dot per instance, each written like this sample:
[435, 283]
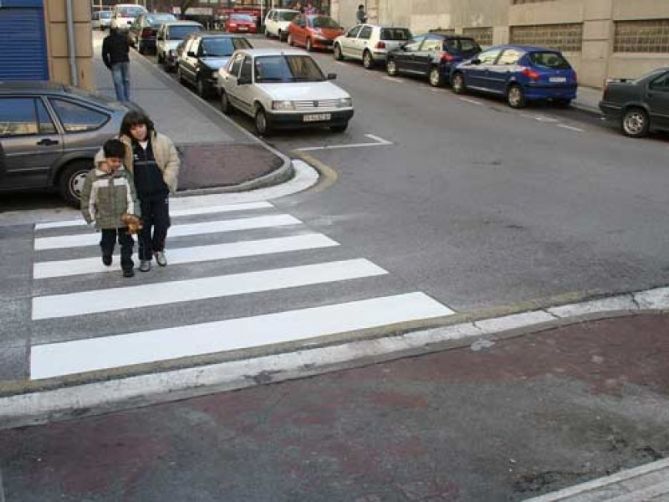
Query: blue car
[519, 73]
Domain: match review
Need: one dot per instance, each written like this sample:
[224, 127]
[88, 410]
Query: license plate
[558, 80]
[317, 117]
[243, 28]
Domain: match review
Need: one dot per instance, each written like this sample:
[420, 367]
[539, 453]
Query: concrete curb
[26, 406]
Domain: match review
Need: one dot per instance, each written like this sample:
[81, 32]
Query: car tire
[71, 181]
[458, 83]
[435, 77]
[161, 59]
[180, 76]
[391, 68]
[262, 127]
[267, 33]
[201, 88]
[515, 96]
[563, 103]
[226, 107]
[309, 47]
[290, 40]
[339, 127]
[367, 60]
[140, 48]
[336, 53]
[635, 122]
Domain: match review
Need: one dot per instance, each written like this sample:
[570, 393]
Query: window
[661, 83]
[414, 43]
[236, 64]
[180, 32]
[353, 32]
[482, 35]
[432, 45]
[247, 69]
[366, 33]
[510, 57]
[642, 36]
[241, 43]
[552, 60]
[489, 57]
[46, 125]
[17, 117]
[564, 37]
[287, 69]
[285, 16]
[77, 118]
[395, 34]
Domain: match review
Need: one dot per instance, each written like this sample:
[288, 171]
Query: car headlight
[345, 103]
[283, 105]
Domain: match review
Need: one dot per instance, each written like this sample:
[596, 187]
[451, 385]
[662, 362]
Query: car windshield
[157, 19]
[397, 34]
[287, 16]
[130, 11]
[324, 22]
[106, 14]
[222, 47]
[241, 19]
[551, 60]
[181, 32]
[281, 69]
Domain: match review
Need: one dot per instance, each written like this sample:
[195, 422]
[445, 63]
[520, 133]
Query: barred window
[516, 2]
[564, 37]
[482, 35]
[642, 36]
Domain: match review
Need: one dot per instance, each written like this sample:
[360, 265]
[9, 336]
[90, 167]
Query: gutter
[71, 44]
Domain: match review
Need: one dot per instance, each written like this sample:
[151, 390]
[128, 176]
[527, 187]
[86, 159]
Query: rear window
[157, 19]
[464, 46]
[181, 32]
[130, 11]
[241, 18]
[223, 47]
[287, 16]
[551, 60]
[106, 14]
[395, 34]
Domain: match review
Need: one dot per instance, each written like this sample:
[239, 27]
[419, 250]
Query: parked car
[124, 14]
[519, 73]
[142, 33]
[202, 55]
[313, 31]
[168, 38]
[277, 22]
[282, 88]
[640, 105]
[369, 43]
[240, 23]
[432, 55]
[49, 135]
[101, 19]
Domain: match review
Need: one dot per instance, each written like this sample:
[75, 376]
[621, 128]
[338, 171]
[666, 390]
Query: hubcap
[392, 69]
[77, 183]
[260, 122]
[434, 77]
[634, 122]
[367, 60]
[457, 83]
[514, 96]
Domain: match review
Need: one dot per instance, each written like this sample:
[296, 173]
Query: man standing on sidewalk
[115, 49]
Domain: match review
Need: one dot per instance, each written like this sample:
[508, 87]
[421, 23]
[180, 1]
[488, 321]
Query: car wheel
[339, 127]
[391, 67]
[635, 122]
[71, 181]
[262, 127]
[140, 48]
[435, 77]
[201, 87]
[290, 40]
[563, 103]
[267, 33]
[515, 96]
[367, 60]
[309, 47]
[458, 83]
[226, 107]
[337, 53]
[161, 59]
[180, 76]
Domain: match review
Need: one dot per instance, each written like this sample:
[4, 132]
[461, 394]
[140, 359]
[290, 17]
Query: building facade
[601, 38]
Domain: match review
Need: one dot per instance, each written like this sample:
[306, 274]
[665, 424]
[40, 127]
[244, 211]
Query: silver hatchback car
[49, 134]
[369, 43]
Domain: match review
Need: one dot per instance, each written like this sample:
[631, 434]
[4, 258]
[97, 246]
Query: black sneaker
[129, 272]
[107, 260]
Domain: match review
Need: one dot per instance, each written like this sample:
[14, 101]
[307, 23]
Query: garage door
[22, 41]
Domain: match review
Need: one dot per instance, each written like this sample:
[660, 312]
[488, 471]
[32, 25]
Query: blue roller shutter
[22, 41]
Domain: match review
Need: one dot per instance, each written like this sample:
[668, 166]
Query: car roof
[526, 48]
[274, 52]
[30, 86]
[182, 23]
[215, 34]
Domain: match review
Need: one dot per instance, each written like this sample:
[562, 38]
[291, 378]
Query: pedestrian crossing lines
[245, 277]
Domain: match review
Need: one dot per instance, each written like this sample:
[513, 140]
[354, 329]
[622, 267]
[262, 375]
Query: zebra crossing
[240, 276]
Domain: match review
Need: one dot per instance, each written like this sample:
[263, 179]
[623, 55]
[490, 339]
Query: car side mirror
[191, 54]
[332, 76]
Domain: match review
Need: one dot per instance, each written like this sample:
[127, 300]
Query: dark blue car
[519, 73]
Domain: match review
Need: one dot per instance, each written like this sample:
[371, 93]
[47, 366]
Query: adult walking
[154, 163]
[115, 49]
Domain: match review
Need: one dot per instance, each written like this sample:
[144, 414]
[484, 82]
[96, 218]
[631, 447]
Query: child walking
[108, 194]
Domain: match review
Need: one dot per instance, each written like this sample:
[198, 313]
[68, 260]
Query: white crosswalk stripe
[334, 294]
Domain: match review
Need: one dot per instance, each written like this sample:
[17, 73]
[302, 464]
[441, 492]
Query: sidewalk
[508, 419]
[215, 152]
[588, 99]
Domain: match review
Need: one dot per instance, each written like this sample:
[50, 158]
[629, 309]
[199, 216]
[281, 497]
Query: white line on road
[51, 360]
[393, 79]
[571, 128]
[543, 118]
[473, 102]
[178, 256]
[377, 142]
[209, 227]
[226, 208]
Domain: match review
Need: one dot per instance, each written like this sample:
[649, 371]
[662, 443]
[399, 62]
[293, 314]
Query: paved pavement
[506, 420]
[588, 99]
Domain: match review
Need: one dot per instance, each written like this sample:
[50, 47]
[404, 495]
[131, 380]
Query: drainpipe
[71, 44]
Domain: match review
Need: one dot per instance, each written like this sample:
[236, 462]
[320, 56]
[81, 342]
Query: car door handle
[47, 142]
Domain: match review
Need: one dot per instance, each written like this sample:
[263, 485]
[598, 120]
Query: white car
[101, 19]
[369, 43]
[124, 14]
[168, 38]
[282, 89]
[277, 22]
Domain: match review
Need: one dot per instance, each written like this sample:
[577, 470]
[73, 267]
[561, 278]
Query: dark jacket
[115, 49]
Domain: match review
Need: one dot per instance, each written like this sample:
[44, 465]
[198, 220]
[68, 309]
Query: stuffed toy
[133, 223]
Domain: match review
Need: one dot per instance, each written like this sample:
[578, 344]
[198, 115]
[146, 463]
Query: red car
[313, 32]
[240, 23]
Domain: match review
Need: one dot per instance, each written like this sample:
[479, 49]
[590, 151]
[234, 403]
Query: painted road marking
[571, 128]
[57, 359]
[150, 295]
[393, 79]
[226, 208]
[543, 118]
[472, 101]
[210, 227]
[377, 142]
[179, 256]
